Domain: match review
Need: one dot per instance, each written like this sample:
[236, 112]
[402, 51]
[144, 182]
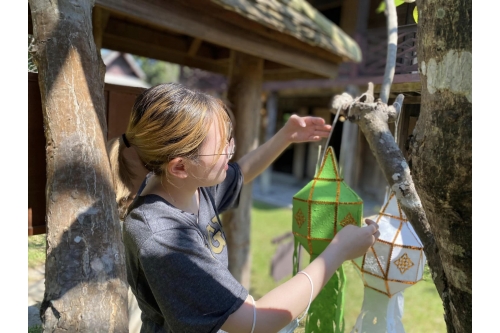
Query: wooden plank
[410, 82]
[141, 48]
[193, 48]
[173, 16]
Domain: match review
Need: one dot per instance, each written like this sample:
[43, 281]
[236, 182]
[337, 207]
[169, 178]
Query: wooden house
[250, 42]
[360, 20]
[123, 70]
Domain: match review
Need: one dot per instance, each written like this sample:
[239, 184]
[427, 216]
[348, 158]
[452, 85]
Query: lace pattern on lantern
[403, 263]
[299, 218]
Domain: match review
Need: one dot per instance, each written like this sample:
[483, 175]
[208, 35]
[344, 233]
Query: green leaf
[415, 14]
[381, 7]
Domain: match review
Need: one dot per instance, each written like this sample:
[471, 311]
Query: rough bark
[441, 151]
[438, 202]
[85, 284]
[373, 118]
[244, 96]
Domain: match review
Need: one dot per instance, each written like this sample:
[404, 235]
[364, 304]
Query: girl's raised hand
[304, 129]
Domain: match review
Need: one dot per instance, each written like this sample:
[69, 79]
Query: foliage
[381, 7]
[158, 71]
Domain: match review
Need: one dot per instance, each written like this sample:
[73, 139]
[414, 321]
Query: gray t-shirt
[177, 267]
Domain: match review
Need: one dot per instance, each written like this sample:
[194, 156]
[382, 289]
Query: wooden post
[244, 96]
[299, 153]
[312, 156]
[348, 147]
[85, 279]
[272, 113]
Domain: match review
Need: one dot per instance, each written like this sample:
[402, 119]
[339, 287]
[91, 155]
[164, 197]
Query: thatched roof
[298, 19]
[295, 40]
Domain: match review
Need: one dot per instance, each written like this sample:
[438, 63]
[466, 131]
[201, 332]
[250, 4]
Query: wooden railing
[374, 49]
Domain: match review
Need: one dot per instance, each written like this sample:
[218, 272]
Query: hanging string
[328, 140]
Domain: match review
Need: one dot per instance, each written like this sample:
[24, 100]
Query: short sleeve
[227, 193]
[193, 290]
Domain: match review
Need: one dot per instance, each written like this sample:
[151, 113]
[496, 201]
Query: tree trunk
[85, 284]
[441, 152]
[244, 96]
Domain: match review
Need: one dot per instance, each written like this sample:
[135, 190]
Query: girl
[175, 247]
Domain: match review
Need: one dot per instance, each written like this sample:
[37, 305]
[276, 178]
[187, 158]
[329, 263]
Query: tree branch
[373, 118]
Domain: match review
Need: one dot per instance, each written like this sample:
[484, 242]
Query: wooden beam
[100, 19]
[403, 82]
[401, 87]
[193, 48]
[173, 16]
[141, 48]
[285, 74]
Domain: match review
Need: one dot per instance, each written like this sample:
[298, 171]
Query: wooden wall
[119, 102]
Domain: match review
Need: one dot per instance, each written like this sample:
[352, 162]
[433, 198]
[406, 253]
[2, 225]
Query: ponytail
[121, 173]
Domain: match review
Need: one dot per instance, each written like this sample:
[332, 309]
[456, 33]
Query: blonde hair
[167, 121]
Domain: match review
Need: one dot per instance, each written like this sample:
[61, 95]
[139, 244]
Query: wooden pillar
[272, 114]
[85, 276]
[244, 96]
[299, 152]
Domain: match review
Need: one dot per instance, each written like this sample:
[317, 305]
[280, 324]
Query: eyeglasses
[228, 150]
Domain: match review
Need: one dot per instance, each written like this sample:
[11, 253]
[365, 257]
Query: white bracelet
[254, 314]
[310, 298]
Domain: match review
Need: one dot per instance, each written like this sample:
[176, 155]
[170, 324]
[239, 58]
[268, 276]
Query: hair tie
[125, 141]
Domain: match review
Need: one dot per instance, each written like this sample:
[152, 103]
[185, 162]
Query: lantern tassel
[326, 314]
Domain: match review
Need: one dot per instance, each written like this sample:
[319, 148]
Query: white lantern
[395, 262]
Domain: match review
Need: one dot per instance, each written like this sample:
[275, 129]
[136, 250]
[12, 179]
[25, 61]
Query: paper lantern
[395, 262]
[321, 209]
[324, 206]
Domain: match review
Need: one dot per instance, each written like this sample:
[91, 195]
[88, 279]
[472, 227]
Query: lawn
[36, 250]
[423, 311]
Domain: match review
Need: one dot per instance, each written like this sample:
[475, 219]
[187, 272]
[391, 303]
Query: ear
[177, 168]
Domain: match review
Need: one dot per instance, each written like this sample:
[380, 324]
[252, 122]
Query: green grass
[36, 250]
[423, 310]
[35, 329]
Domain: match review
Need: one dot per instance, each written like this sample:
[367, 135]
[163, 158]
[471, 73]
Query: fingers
[373, 228]
[317, 120]
[299, 120]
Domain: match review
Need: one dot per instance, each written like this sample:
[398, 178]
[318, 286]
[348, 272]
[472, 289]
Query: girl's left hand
[304, 129]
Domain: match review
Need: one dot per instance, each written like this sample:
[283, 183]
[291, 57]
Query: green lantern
[320, 210]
